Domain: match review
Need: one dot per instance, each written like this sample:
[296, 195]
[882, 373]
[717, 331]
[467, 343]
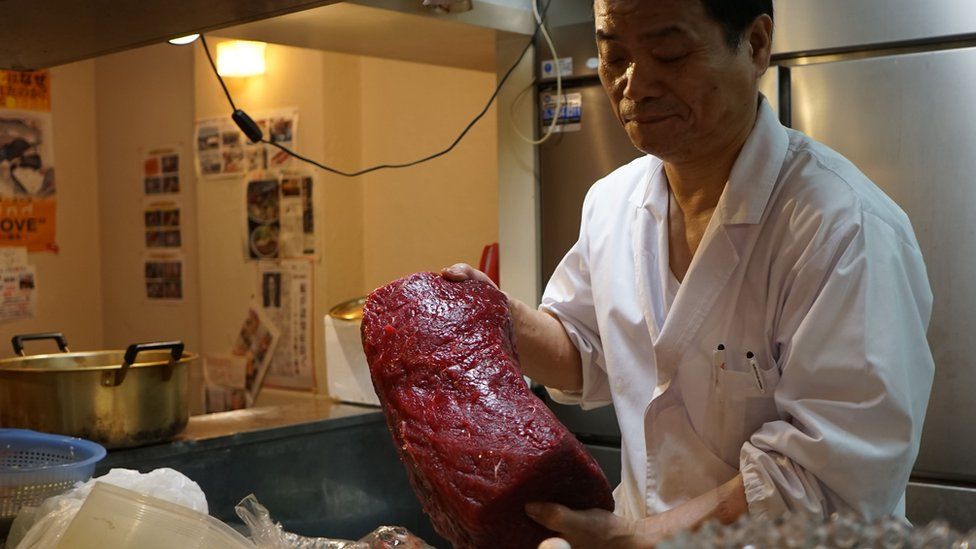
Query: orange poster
[28, 203]
[30, 90]
[28, 222]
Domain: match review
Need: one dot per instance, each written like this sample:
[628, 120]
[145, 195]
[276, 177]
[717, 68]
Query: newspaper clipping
[286, 299]
[280, 220]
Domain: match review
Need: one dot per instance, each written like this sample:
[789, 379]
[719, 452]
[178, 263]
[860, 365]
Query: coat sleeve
[569, 297]
[856, 376]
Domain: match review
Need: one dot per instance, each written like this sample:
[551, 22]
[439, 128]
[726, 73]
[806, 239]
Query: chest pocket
[740, 401]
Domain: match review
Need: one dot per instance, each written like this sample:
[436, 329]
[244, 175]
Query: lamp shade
[240, 58]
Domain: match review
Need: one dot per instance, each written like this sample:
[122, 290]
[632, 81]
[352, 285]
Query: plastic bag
[41, 527]
[267, 534]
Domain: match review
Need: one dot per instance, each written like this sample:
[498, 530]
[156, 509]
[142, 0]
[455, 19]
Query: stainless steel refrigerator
[891, 84]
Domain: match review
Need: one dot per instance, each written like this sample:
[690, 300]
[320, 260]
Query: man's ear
[760, 42]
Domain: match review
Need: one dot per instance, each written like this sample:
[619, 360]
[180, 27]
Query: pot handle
[18, 341]
[176, 352]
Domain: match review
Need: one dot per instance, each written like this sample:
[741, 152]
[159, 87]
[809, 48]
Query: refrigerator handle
[785, 97]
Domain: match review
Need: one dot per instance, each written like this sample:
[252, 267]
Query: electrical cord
[560, 100]
[254, 133]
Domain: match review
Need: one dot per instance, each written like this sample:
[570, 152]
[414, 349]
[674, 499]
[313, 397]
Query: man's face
[675, 84]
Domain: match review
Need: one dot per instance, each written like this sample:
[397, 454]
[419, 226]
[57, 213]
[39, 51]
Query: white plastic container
[115, 517]
[345, 363]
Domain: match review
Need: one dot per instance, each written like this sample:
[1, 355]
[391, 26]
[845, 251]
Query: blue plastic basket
[35, 466]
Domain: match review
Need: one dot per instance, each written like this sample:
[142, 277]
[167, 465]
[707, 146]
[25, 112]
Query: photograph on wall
[164, 277]
[263, 218]
[256, 342]
[162, 222]
[28, 201]
[224, 151]
[286, 296]
[225, 382]
[18, 285]
[161, 171]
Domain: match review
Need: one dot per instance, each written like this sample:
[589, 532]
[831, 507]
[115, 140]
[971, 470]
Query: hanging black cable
[254, 133]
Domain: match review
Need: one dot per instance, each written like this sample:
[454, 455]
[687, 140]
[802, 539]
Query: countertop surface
[237, 422]
[249, 426]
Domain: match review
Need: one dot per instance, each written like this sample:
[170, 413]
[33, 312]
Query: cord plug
[248, 126]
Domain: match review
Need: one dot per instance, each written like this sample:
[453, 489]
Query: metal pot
[104, 396]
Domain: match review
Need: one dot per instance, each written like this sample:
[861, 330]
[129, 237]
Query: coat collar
[751, 181]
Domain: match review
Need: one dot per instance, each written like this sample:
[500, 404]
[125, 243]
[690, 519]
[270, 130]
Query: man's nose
[643, 81]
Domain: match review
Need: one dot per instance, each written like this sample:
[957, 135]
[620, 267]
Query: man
[735, 232]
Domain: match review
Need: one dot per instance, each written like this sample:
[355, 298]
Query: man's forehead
[650, 19]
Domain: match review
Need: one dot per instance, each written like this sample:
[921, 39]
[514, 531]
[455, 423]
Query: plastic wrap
[267, 534]
[42, 527]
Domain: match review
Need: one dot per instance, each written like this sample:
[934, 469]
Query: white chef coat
[807, 264]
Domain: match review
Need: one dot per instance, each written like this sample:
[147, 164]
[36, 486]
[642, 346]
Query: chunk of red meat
[477, 444]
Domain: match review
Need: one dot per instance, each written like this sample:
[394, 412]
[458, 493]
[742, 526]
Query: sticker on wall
[28, 204]
[223, 151]
[161, 171]
[163, 223]
[570, 113]
[164, 277]
[548, 68]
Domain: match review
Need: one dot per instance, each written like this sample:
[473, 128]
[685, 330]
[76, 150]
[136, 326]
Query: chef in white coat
[733, 231]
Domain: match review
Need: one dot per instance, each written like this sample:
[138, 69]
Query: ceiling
[378, 32]
[42, 33]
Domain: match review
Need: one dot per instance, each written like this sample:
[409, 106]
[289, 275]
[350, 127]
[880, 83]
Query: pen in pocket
[751, 359]
[718, 362]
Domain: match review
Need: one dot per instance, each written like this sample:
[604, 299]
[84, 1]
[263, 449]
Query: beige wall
[144, 99]
[69, 296]
[441, 212]
[325, 87]
[353, 111]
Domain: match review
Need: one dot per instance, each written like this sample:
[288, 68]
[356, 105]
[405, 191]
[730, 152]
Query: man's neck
[698, 183]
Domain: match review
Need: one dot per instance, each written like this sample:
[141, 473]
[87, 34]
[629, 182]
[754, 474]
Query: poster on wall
[162, 221]
[161, 171]
[164, 277]
[224, 151]
[280, 219]
[286, 298]
[18, 295]
[256, 342]
[28, 203]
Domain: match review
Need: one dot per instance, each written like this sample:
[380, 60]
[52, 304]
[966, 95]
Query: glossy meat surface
[476, 442]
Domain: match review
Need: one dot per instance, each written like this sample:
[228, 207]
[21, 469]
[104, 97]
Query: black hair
[735, 16]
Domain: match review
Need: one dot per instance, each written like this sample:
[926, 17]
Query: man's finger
[555, 543]
[456, 272]
[553, 516]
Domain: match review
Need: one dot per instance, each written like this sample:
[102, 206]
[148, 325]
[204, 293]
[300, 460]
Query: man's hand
[585, 529]
[462, 271]
[599, 528]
